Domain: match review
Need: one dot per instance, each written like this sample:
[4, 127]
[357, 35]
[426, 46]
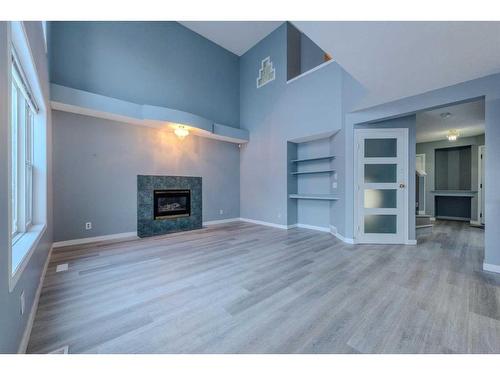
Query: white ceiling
[235, 36]
[467, 118]
[399, 59]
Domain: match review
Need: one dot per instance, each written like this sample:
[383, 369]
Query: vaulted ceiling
[235, 36]
[393, 60]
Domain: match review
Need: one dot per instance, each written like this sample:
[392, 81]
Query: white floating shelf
[314, 159]
[322, 197]
[314, 172]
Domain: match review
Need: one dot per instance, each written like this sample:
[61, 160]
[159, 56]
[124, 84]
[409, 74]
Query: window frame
[22, 144]
[20, 57]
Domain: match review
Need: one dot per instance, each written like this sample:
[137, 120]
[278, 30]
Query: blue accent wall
[155, 63]
[274, 114]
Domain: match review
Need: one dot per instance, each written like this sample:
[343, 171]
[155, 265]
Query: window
[28, 128]
[23, 110]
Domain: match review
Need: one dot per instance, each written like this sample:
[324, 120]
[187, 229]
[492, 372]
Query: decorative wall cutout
[266, 72]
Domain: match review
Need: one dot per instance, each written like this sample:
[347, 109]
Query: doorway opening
[449, 168]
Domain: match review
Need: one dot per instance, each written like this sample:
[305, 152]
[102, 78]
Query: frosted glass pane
[381, 148]
[380, 173]
[380, 198]
[380, 223]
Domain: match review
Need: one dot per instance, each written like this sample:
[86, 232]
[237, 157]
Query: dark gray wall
[302, 53]
[429, 148]
[96, 163]
[156, 63]
[12, 324]
[453, 168]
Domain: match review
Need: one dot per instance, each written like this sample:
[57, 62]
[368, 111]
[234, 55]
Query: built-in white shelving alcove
[312, 181]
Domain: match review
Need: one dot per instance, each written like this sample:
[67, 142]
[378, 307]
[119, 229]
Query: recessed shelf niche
[311, 177]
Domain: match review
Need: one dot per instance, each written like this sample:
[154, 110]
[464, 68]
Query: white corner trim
[491, 267]
[82, 241]
[31, 319]
[223, 221]
[322, 65]
[268, 224]
[334, 231]
[313, 227]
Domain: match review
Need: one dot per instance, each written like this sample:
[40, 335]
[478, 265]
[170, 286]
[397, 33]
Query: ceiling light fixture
[181, 132]
[452, 135]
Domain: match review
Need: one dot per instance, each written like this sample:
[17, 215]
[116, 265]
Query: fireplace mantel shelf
[454, 193]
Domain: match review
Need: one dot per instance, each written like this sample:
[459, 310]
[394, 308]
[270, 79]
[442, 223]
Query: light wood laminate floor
[245, 288]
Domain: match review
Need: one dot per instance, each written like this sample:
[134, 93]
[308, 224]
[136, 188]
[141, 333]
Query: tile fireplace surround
[147, 225]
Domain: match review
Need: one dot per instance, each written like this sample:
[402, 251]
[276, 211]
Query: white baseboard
[274, 225]
[410, 242]
[223, 221]
[475, 222]
[31, 319]
[313, 227]
[421, 212]
[82, 241]
[334, 231]
[491, 267]
[432, 218]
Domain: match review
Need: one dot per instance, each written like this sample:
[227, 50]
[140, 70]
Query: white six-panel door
[381, 206]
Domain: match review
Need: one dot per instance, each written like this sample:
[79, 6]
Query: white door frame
[420, 211]
[382, 133]
[480, 171]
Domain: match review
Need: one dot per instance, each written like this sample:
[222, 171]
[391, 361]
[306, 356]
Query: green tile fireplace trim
[147, 226]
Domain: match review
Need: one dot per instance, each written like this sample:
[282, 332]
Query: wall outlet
[334, 185]
[221, 212]
[279, 216]
[88, 226]
[23, 302]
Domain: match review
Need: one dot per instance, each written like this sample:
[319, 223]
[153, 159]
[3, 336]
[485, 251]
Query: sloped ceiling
[399, 59]
[235, 36]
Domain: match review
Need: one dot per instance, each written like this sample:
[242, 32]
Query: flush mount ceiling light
[452, 135]
[181, 132]
[445, 115]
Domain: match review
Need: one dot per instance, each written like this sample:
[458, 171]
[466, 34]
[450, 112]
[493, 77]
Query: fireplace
[172, 203]
[168, 204]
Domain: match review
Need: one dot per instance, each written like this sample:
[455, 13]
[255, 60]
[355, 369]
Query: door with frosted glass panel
[382, 178]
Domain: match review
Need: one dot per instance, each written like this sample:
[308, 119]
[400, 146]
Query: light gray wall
[429, 148]
[492, 179]
[12, 324]
[96, 163]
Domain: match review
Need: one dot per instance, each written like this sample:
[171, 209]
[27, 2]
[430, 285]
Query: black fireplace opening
[172, 203]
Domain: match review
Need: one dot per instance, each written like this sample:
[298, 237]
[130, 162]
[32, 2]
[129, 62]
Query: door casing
[404, 210]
